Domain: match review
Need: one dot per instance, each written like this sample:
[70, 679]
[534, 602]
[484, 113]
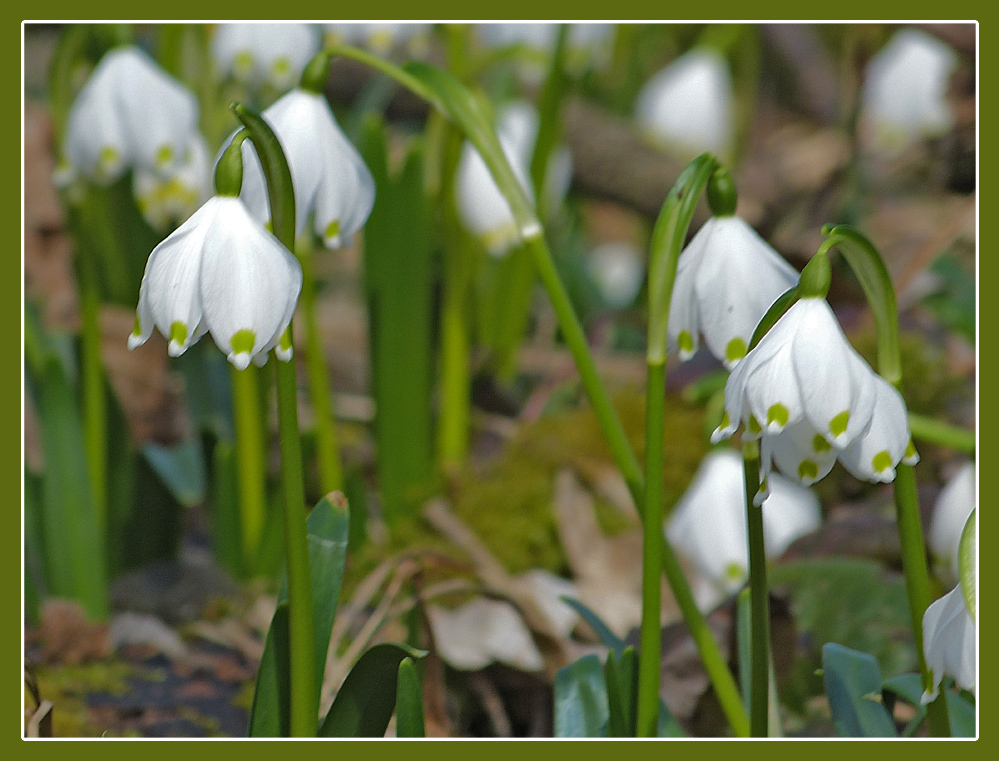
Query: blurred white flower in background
[130, 114]
[481, 206]
[333, 186]
[726, 279]
[265, 54]
[169, 200]
[688, 106]
[954, 504]
[904, 95]
[708, 525]
[382, 37]
[586, 45]
[618, 269]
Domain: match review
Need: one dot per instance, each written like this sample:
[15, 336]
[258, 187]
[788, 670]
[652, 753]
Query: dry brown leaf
[67, 635]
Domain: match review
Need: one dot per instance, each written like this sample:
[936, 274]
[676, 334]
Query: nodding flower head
[169, 200]
[949, 642]
[332, 184]
[956, 501]
[265, 54]
[481, 206]
[130, 114]
[220, 272]
[726, 279]
[812, 400]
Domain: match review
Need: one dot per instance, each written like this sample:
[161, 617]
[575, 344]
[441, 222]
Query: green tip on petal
[137, 328]
[735, 350]
[911, 456]
[754, 425]
[164, 156]
[819, 444]
[178, 339]
[837, 426]
[808, 470]
[243, 341]
[777, 415]
[881, 461]
[332, 230]
[733, 572]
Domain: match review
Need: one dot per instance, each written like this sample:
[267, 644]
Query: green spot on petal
[108, 157]
[242, 62]
[808, 470]
[685, 341]
[285, 343]
[754, 425]
[164, 156]
[910, 450]
[819, 444]
[726, 421]
[243, 341]
[332, 229]
[733, 572]
[838, 424]
[881, 461]
[281, 67]
[735, 350]
[178, 331]
[778, 414]
[137, 328]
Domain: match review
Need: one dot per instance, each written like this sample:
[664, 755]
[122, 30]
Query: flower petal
[949, 641]
[248, 280]
[873, 455]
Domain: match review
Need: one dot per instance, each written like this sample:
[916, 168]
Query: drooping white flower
[481, 206]
[708, 524]
[802, 453]
[802, 369]
[220, 272]
[171, 199]
[380, 38]
[332, 183]
[726, 280]
[905, 90]
[688, 106]
[129, 115]
[949, 642]
[265, 54]
[618, 270]
[956, 501]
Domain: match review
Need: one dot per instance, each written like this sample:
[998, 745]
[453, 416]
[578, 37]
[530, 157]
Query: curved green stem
[456, 102]
[320, 394]
[250, 461]
[870, 269]
[650, 652]
[302, 645]
[759, 602]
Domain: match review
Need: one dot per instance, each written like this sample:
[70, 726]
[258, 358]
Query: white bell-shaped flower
[332, 183]
[802, 369]
[481, 206]
[618, 270]
[688, 106]
[265, 54]
[169, 200]
[708, 524]
[129, 115]
[802, 453]
[726, 280]
[905, 90]
[949, 642]
[956, 501]
[220, 272]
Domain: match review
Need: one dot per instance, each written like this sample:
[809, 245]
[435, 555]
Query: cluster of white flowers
[481, 206]
[131, 115]
[380, 38]
[260, 55]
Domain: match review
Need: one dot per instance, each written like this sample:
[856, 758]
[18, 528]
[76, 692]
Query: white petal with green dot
[801, 453]
[264, 55]
[249, 282]
[873, 455]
